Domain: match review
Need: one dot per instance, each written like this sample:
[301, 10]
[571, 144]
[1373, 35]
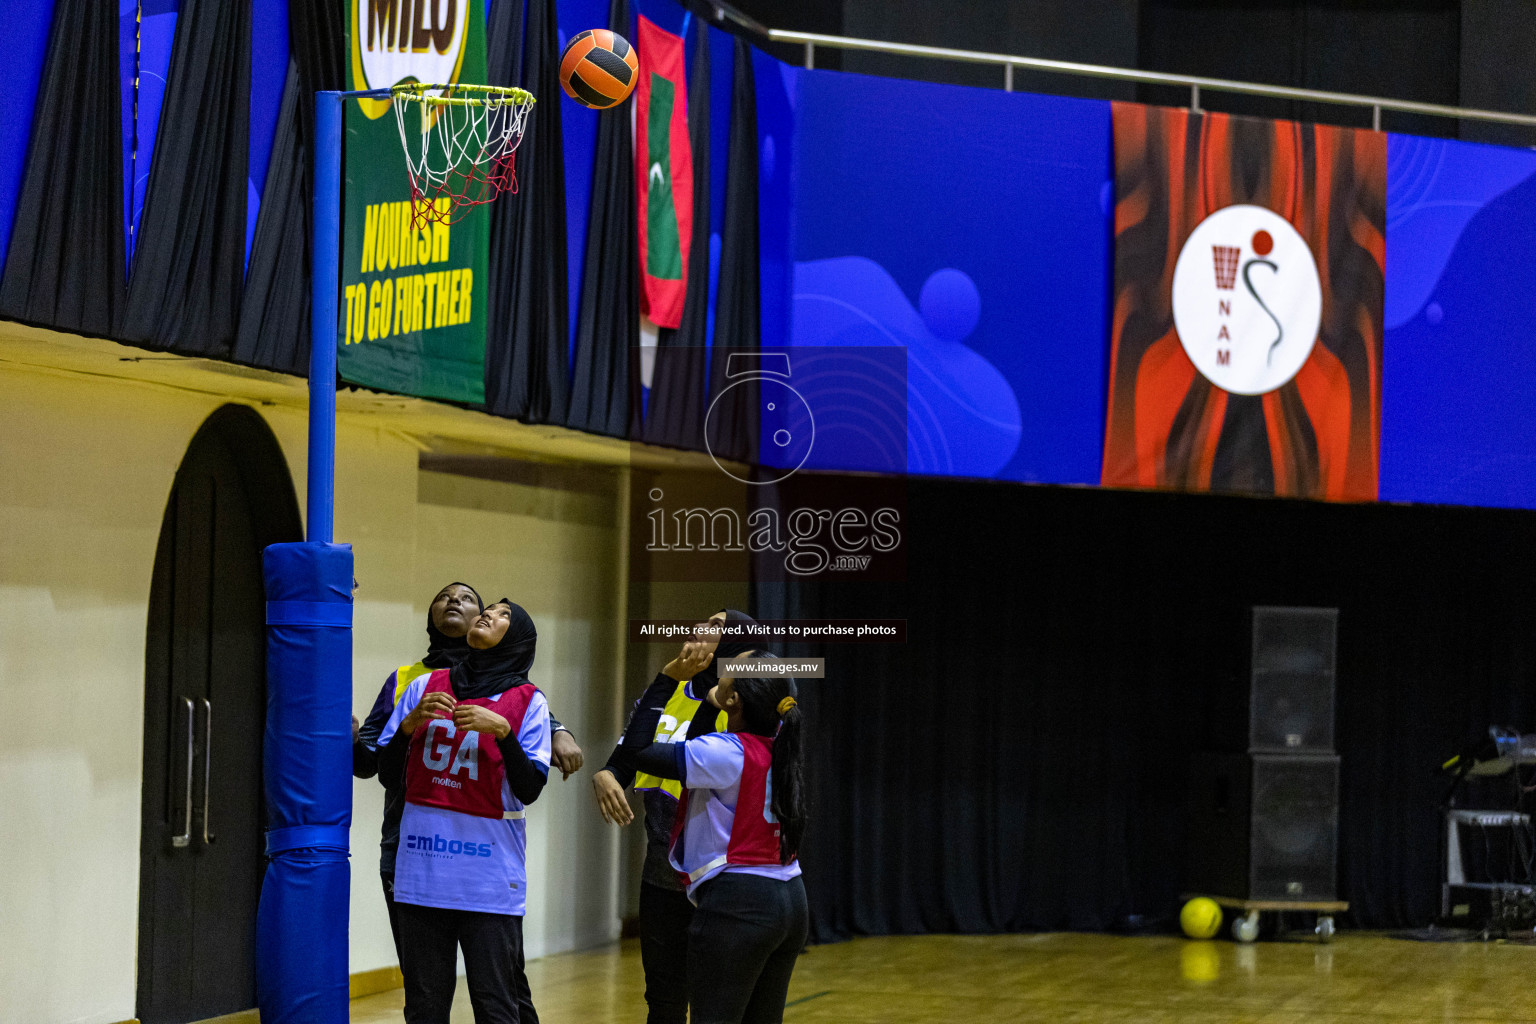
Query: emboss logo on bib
[436, 844]
[1247, 299]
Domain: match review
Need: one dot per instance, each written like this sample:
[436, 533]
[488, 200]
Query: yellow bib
[403, 676]
[676, 717]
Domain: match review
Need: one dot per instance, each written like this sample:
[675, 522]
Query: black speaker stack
[1264, 820]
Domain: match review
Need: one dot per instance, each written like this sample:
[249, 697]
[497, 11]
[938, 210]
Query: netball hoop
[460, 144]
[459, 150]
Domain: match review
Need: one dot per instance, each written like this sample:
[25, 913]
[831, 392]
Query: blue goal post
[301, 922]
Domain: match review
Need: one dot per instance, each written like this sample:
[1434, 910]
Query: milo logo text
[411, 25]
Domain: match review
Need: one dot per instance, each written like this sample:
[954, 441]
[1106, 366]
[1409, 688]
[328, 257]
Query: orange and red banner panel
[1246, 325]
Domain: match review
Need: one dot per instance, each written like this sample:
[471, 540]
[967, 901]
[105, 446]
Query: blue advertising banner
[578, 138]
[1459, 370]
[269, 72]
[971, 227]
[28, 30]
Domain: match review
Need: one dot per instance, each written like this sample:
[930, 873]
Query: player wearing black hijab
[448, 620]
[670, 711]
[473, 745]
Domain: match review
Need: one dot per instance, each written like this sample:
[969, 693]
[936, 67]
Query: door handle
[207, 765]
[185, 839]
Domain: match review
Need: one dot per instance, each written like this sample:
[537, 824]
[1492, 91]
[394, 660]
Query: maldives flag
[663, 174]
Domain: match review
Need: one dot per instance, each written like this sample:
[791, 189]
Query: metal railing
[1194, 83]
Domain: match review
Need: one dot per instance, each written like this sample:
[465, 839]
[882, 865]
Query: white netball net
[460, 144]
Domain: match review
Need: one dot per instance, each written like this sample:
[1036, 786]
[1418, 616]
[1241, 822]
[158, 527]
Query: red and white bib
[751, 838]
[462, 770]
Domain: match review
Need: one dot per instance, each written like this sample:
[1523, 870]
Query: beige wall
[87, 468]
[87, 464]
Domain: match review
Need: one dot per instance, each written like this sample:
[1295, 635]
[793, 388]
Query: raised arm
[629, 756]
[641, 729]
[664, 760]
[711, 761]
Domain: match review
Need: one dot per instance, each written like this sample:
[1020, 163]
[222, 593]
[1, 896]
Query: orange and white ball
[598, 69]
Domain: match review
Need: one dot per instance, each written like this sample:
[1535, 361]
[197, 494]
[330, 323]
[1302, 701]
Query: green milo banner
[413, 301]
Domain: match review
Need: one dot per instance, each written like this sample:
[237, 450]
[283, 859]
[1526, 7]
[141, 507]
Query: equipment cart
[1246, 927]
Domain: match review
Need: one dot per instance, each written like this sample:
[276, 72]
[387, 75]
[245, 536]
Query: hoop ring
[489, 95]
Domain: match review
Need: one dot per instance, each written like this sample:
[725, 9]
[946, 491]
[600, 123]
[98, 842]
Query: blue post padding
[308, 613]
[301, 923]
[307, 837]
[302, 974]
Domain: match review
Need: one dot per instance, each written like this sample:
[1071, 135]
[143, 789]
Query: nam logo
[1247, 299]
[406, 40]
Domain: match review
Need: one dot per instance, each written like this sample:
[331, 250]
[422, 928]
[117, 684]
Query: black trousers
[394, 915]
[430, 939]
[665, 915]
[742, 945]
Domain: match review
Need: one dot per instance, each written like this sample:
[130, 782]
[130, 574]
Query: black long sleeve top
[664, 760]
[638, 751]
[641, 730]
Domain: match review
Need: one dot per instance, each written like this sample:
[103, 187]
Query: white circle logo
[1247, 301]
[784, 415]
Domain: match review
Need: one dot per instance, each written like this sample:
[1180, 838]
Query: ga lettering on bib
[461, 770]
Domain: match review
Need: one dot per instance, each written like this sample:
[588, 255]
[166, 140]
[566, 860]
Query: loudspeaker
[1264, 826]
[1291, 670]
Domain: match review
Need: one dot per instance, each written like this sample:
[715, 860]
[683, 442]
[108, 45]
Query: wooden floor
[1077, 979]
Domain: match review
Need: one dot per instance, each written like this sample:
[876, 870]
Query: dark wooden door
[201, 851]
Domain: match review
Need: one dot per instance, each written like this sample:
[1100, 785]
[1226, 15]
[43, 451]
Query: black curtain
[674, 414]
[1098, 33]
[1492, 33]
[189, 254]
[527, 329]
[317, 40]
[274, 313]
[733, 427]
[66, 265]
[1019, 763]
[605, 385]
[1409, 51]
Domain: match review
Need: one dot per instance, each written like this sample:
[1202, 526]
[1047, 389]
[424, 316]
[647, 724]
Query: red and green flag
[663, 174]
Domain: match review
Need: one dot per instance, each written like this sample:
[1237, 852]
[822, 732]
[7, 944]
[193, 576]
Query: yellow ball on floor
[1200, 918]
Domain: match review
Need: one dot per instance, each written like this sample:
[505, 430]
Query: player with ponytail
[769, 708]
[736, 844]
[671, 710]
